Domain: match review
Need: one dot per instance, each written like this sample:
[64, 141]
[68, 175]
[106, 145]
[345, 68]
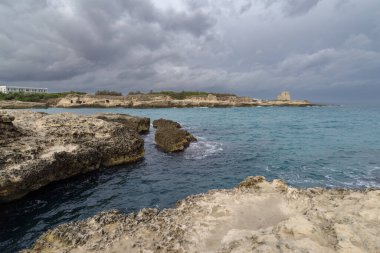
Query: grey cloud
[293, 7]
[298, 7]
[54, 40]
[251, 47]
[245, 7]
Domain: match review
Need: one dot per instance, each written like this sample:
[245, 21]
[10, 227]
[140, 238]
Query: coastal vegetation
[182, 94]
[108, 93]
[36, 97]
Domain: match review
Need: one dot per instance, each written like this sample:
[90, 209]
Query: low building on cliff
[13, 89]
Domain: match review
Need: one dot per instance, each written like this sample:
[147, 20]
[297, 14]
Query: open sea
[331, 146]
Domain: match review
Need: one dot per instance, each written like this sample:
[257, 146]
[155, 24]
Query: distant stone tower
[284, 96]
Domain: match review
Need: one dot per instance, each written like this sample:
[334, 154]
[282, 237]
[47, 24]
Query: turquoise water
[333, 146]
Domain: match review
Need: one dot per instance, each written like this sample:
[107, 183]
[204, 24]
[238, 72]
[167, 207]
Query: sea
[322, 146]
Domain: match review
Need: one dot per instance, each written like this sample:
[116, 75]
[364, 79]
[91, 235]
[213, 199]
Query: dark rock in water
[48, 148]
[173, 139]
[170, 137]
[138, 124]
[165, 123]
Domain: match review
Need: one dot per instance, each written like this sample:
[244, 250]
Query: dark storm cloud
[55, 40]
[314, 48]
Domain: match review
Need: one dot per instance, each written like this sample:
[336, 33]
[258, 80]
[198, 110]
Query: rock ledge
[38, 148]
[256, 216]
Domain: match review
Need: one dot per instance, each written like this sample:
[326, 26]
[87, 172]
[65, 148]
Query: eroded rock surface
[165, 123]
[256, 216]
[48, 148]
[170, 137]
[164, 101]
[14, 104]
[139, 124]
[7, 130]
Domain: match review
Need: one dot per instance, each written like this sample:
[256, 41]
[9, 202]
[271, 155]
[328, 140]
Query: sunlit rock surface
[256, 216]
[39, 148]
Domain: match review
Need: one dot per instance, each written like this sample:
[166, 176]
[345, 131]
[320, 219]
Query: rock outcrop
[14, 104]
[8, 132]
[256, 216]
[138, 124]
[48, 148]
[165, 123]
[164, 101]
[170, 137]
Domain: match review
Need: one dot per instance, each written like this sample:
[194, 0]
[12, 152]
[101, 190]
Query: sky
[320, 50]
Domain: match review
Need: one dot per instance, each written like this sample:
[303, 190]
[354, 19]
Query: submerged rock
[256, 216]
[170, 137]
[54, 147]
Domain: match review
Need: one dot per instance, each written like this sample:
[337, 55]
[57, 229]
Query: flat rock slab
[48, 148]
[256, 216]
[139, 124]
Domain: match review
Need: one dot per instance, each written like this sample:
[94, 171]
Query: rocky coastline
[37, 148]
[165, 101]
[155, 101]
[14, 104]
[255, 216]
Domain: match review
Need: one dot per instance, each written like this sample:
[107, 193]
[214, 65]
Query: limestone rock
[257, 216]
[164, 101]
[139, 124]
[7, 130]
[284, 96]
[58, 146]
[165, 123]
[14, 104]
[170, 137]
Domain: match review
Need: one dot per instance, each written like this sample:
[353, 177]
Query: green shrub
[36, 97]
[182, 94]
[108, 93]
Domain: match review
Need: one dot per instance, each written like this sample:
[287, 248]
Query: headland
[151, 100]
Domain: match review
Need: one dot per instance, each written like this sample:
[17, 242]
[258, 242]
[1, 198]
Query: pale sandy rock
[163, 101]
[14, 104]
[42, 148]
[256, 216]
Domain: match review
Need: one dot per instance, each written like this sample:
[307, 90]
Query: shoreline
[20, 105]
[153, 101]
[257, 215]
[39, 148]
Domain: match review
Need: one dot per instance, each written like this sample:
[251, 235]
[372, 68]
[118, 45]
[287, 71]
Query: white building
[13, 89]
